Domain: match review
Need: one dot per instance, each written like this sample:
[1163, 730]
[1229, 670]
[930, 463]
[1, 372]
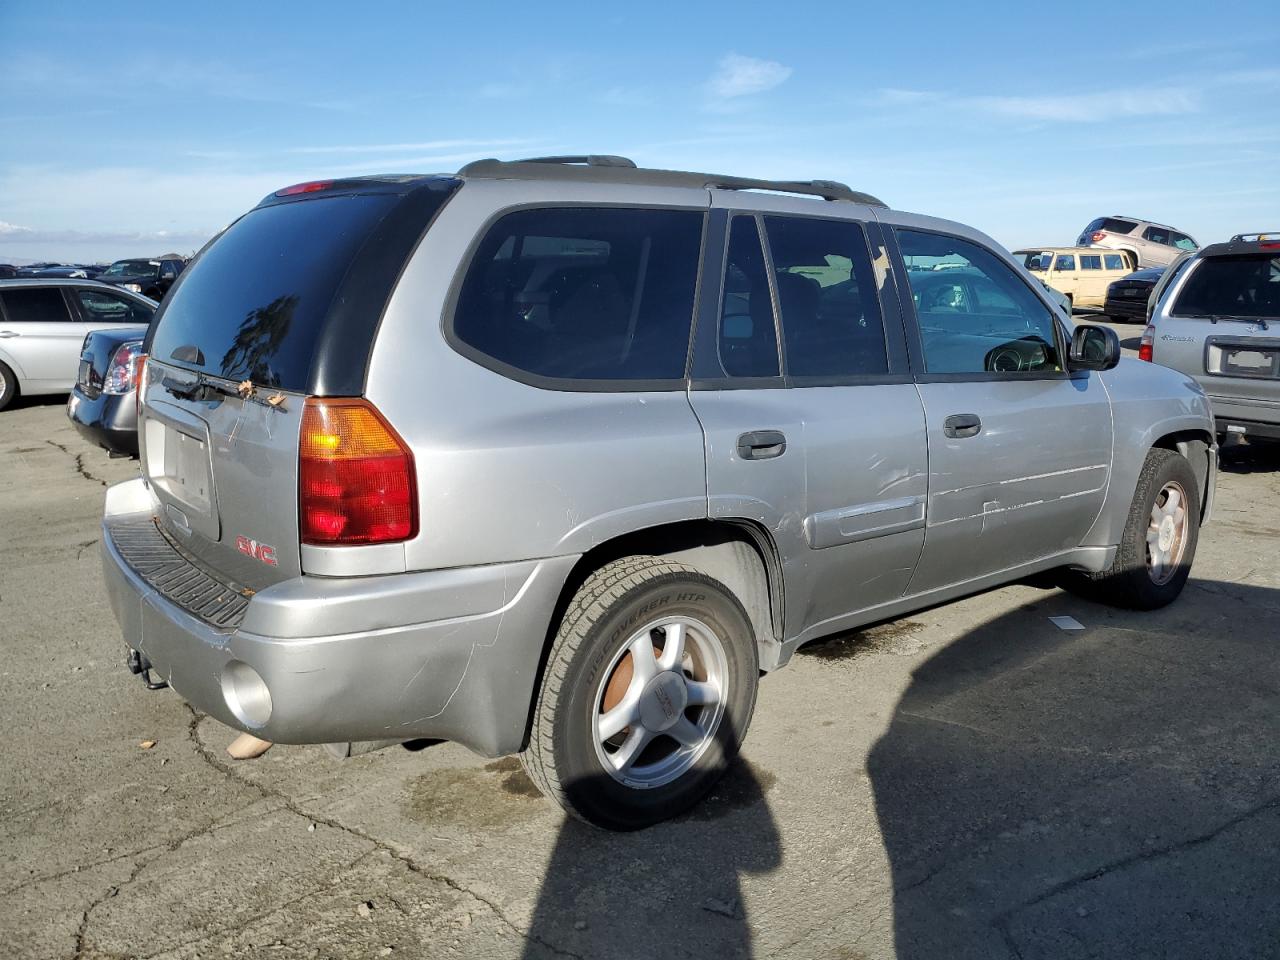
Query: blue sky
[140, 128]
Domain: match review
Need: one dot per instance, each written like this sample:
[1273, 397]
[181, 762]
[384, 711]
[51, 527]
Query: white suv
[1152, 244]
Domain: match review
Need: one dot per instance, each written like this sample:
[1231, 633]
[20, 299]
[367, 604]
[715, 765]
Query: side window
[97, 307]
[1156, 235]
[584, 293]
[1089, 261]
[1115, 261]
[1066, 261]
[831, 322]
[975, 314]
[35, 305]
[1182, 241]
[748, 344]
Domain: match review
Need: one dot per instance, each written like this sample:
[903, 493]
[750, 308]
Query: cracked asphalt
[968, 781]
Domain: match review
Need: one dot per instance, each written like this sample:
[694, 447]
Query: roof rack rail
[609, 169]
[589, 159]
[1256, 237]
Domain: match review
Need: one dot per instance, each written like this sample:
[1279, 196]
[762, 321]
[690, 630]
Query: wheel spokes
[685, 732]
[672, 647]
[702, 694]
[625, 756]
[619, 718]
[644, 664]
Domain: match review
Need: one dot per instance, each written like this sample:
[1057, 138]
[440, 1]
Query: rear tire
[8, 386]
[628, 730]
[1159, 540]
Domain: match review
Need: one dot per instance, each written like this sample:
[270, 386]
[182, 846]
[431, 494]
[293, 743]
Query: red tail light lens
[1146, 349]
[139, 383]
[314, 186]
[356, 481]
[125, 369]
[1097, 235]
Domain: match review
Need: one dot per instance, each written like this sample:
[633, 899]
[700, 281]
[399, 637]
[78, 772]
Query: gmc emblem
[259, 551]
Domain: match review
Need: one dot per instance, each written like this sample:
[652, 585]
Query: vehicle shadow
[1112, 792]
[672, 890]
[1249, 457]
[23, 402]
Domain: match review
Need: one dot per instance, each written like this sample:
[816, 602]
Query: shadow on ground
[1107, 793]
[670, 891]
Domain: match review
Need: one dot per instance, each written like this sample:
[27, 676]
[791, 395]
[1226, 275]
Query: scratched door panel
[1027, 486]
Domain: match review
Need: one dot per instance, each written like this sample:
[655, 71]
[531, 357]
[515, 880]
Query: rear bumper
[448, 654]
[109, 421]
[1128, 309]
[1247, 417]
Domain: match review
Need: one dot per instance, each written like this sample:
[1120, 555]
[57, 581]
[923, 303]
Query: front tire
[1160, 536]
[8, 386]
[647, 694]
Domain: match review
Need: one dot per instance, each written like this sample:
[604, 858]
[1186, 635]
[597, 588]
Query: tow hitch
[140, 665]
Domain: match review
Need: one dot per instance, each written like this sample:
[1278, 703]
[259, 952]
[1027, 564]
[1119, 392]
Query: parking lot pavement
[969, 781]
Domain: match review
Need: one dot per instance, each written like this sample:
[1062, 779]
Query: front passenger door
[1019, 449]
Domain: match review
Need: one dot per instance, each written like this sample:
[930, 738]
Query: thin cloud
[739, 76]
[429, 146]
[1076, 108]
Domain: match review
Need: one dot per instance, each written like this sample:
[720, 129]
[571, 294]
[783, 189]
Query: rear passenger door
[1019, 450]
[42, 335]
[813, 427]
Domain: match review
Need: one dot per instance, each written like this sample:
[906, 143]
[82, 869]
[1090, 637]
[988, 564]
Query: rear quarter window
[253, 304]
[577, 296]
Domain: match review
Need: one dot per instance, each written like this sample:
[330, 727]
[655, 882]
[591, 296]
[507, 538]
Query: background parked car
[70, 271]
[1080, 273]
[8, 271]
[1217, 318]
[1151, 244]
[43, 324]
[151, 278]
[1129, 297]
[102, 403]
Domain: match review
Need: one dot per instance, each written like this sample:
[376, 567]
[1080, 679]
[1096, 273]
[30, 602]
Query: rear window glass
[1115, 261]
[1232, 286]
[35, 305]
[1111, 225]
[254, 302]
[584, 293]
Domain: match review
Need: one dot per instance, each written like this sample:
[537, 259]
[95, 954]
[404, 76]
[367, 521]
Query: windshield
[1246, 286]
[133, 268]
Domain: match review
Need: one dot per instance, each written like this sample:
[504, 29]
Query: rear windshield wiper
[198, 390]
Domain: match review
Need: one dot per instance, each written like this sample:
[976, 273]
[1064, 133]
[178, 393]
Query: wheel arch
[739, 553]
[1196, 447]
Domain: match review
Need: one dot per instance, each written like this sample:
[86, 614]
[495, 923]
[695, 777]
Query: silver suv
[1151, 244]
[1216, 317]
[555, 457]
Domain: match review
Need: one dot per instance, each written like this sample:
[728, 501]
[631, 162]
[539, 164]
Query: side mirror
[1093, 348]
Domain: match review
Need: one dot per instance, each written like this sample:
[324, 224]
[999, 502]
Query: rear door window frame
[705, 374]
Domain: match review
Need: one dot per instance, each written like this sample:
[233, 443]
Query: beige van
[1079, 273]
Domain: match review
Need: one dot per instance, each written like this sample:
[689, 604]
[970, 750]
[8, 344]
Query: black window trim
[568, 384]
[915, 344]
[68, 304]
[896, 340]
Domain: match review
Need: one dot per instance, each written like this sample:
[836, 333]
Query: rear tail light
[122, 372]
[1147, 347]
[1096, 236]
[140, 387]
[356, 482]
